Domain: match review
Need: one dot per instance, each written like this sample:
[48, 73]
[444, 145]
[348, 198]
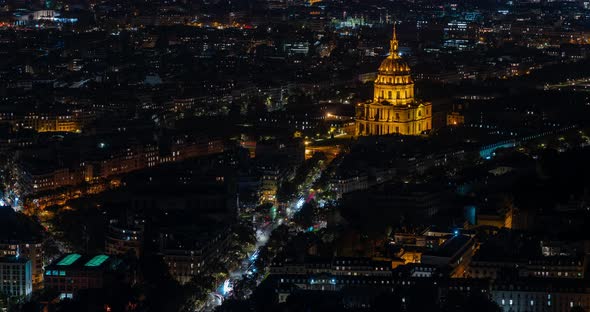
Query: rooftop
[96, 261]
[451, 246]
[82, 262]
[13, 259]
[69, 259]
[16, 226]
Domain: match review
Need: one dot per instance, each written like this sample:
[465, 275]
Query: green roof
[69, 259]
[96, 261]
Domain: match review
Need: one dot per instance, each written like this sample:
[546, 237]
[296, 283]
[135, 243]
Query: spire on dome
[393, 44]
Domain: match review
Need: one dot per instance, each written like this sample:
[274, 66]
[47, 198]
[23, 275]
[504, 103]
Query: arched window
[398, 97]
[389, 94]
[420, 113]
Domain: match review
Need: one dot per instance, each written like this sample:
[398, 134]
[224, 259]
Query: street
[263, 231]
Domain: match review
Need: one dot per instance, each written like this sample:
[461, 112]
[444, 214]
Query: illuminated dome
[394, 108]
[393, 64]
[394, 84]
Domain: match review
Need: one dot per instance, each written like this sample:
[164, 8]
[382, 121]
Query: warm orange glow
[394, 108]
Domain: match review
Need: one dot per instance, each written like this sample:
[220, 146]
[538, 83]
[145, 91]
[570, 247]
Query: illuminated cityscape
[294, 155]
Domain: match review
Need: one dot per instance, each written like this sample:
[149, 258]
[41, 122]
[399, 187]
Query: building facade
[541, 295]
[21, 238]
[73, 272]
[347, 184]
[16, 277]
[31, 250]
[394, 109]
[123, 238]
[189, 252]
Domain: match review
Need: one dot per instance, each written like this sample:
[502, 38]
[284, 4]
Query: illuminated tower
[393, 108]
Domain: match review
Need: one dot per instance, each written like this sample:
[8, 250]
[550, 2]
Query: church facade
[394, 109]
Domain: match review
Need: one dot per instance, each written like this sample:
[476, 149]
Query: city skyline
[294, 155]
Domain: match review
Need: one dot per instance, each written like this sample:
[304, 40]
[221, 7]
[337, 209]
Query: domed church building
[393, 108]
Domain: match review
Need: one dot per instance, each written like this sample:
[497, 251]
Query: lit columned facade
[394, 108]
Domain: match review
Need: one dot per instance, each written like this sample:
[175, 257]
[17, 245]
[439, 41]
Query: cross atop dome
[393, 44]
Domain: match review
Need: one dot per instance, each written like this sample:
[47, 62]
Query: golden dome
[394, 83]
[394, 65]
